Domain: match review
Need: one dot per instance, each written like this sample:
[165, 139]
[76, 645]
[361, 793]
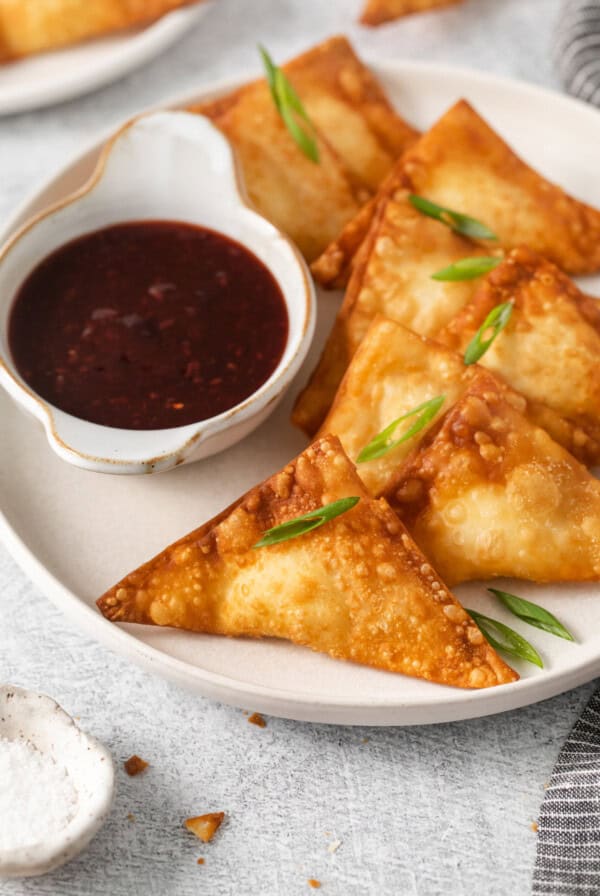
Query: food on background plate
[354, 587]
[550, 348]
[358, 137]
[376, 12]
[34, 26]
[487, 493]
[393, 277]
[463, 164]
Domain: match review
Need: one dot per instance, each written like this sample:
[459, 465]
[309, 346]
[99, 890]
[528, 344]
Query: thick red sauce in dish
[148, 325]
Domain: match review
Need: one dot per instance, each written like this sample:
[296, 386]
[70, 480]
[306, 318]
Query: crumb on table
[314, 884]
[134, 765]
[534, 827]
[257, 719]
[200, 861]
[205, 826]
[130, 816]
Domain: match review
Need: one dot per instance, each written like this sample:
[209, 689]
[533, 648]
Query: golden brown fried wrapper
[309, 202]
[395, 371]
[550, 349]
[347, 104]
[377, 12]
[462, 164]
[357, 588]
[33, 26]
[391, 276]
[359, 138]
[487, 493]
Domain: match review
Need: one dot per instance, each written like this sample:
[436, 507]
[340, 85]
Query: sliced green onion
[467, 268]
[289, 105]
[532, 614]
[458, 222]
[496, 320]
[382, 443]
[300, 525]
[507, 639]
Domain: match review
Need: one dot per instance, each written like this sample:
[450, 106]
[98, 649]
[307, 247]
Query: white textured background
[426, 811]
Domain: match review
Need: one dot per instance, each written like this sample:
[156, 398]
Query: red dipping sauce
[148, 325]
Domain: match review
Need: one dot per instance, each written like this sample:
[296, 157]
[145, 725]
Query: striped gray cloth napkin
[577, 48]
[568, 846]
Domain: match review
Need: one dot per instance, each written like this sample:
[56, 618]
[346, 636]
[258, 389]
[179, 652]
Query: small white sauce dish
[172, 166]
[39, 721]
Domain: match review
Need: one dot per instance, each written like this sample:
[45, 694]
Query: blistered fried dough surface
[32, 26]
[310, 202]
[550, 349]
[347, 104]
[487, 493]
[359, 136]
[463, 164]
[391, 276]
[393, 371]
[376, 12]
[357, 588]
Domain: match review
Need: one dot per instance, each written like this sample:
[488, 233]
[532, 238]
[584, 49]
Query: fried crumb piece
[365, 740]
[130, 816]
[200, 861]
[333, 847]
[257, 719]
[134, 765]
[534, 827]
[205, 826]
[314, 884]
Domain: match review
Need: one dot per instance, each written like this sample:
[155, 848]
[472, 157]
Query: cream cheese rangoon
[463, 164]
[356, 588]
[358, 137]
[487, 493]
[549, 350]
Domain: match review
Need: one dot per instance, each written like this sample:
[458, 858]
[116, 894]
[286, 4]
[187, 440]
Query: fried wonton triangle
[358, 133]
[394, 371]
[33, 26]
[464, 165]
[487, 493]
[392, 276]
[550, 349]
[376, 12]
[357, 588]
[348, 105]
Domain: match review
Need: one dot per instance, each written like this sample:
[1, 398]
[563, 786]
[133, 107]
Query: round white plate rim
[283, 703]
[143, 45]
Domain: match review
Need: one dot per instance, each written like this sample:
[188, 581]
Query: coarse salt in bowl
[56, 784]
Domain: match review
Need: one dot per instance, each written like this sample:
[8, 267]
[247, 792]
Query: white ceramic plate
[49, 78]
[75, 532]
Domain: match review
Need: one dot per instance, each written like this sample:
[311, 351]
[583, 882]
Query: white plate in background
[75, 533]
[47, 78]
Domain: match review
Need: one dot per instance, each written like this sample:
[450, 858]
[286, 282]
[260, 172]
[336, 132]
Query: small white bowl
[41, 722]
[176, 166]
